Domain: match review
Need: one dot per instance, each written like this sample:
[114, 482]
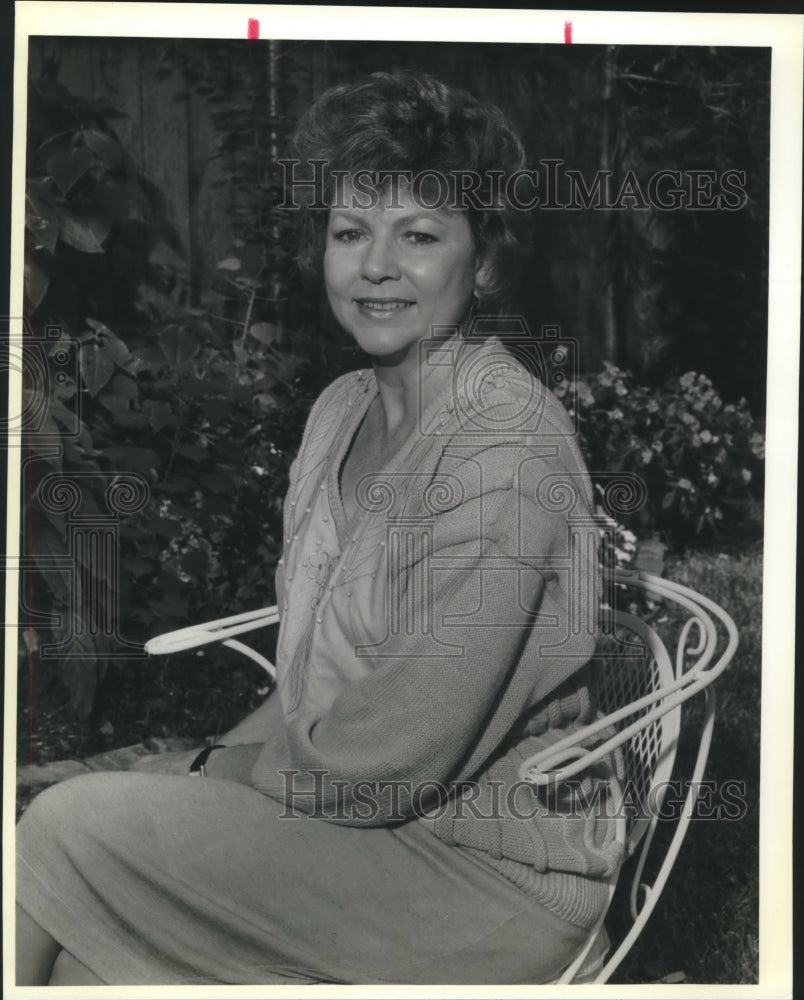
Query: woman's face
[395, 270]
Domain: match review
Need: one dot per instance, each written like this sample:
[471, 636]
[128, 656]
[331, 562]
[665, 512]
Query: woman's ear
[484, 277]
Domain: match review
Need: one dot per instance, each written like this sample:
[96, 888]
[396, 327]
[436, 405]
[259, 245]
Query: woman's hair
[412, 123]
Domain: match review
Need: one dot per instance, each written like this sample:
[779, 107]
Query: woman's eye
[347, 235]
[421, 239]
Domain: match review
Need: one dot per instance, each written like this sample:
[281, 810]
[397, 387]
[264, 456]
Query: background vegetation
[177, 344]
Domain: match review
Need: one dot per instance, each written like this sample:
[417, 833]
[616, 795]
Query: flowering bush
[700, 459]
[618, 545]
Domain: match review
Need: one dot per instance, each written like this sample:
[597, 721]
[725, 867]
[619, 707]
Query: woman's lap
[154, 878]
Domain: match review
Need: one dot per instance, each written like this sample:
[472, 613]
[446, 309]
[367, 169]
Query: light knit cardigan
[442, 635]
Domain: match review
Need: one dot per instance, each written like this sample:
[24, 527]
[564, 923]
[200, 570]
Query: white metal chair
[641, 688]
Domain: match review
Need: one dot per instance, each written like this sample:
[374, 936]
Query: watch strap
[198, 768]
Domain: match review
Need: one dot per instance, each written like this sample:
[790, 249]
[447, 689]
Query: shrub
[195, 403]
[700, 459]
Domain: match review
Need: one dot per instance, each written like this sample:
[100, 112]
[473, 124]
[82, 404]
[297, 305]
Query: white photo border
[783, 34]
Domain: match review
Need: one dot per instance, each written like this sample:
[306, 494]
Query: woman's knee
[76, 802]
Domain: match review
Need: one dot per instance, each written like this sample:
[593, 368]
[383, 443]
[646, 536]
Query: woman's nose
[380, 261]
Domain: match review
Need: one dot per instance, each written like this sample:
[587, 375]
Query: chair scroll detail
[641, 688]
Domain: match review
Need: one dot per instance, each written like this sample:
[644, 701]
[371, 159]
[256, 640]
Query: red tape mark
[253, 28]
[567, 33]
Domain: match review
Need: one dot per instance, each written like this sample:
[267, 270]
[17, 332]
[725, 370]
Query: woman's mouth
[382, 308]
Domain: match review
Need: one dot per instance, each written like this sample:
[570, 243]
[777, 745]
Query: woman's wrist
[198, 768]
[233, 763]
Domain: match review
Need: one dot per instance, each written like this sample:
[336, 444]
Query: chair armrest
[214, 631]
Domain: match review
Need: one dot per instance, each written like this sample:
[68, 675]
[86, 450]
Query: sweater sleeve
[421, 717]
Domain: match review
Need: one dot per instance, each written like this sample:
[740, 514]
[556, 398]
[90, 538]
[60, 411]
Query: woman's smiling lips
[382, 308]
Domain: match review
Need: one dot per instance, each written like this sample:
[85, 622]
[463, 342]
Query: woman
[437, 592]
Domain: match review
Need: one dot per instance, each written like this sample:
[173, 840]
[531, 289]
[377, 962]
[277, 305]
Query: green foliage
[197, 400]
[700, 459]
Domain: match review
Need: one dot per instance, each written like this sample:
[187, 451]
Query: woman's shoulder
[510, 432]
[343, 393]
[508, 396]
[500, 403]
[330, 412]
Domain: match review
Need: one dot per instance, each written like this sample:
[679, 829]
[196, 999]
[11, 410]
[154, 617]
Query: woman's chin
[386, 346]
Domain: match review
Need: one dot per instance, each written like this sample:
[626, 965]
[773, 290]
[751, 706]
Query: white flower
[585, 394]
[746, 474]
[757, 445]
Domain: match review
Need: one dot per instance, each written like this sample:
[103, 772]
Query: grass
[706, 922]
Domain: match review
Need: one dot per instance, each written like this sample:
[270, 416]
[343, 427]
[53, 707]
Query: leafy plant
[699, 458]
[195, 401]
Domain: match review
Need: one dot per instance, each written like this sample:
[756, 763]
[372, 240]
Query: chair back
[632, 663]
[661, 644]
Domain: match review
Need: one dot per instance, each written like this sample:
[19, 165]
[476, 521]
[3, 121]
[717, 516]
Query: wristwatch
[197, 768]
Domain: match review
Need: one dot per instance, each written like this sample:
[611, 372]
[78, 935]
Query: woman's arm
[235, 759]
[255, 727]
[414, 718]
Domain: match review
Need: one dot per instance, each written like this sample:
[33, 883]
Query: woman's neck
[407, 387]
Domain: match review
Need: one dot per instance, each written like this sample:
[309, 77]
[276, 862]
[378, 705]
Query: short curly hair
[414, 123]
